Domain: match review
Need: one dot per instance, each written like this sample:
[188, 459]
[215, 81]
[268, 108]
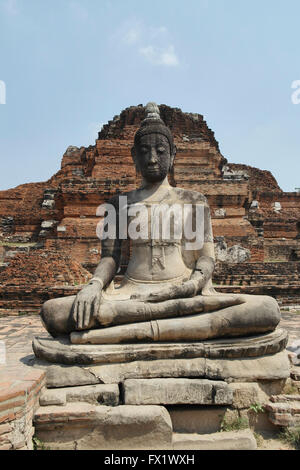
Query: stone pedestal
[158, 396]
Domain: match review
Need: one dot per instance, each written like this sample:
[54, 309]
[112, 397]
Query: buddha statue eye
[160, 149]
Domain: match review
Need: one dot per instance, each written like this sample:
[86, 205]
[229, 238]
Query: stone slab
[105, 394]
[83, 426]
[271, 368]
[62, 351]
[176, 391]
[231, 440]
[61, 376]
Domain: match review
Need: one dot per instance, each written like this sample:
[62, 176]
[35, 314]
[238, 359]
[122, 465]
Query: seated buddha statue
[166, 294]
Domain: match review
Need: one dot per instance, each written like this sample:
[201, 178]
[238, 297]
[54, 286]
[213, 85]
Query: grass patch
[236, 424]
[257, 408]
[291, 389]
[292, 436]
[259, 439]
[38, 444]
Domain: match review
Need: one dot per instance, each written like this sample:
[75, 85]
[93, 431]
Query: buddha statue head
[154, 150]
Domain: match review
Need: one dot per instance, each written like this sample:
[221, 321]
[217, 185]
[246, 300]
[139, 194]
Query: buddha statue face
[152, 157]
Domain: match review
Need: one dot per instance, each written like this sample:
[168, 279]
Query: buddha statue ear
[173, 155]
[135, 160]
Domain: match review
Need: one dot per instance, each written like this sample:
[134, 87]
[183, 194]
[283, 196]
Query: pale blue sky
[71, 65]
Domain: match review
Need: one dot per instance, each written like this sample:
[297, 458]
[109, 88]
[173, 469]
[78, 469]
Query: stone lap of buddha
[166, 293]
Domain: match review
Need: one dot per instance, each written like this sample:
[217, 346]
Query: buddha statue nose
[153, 156]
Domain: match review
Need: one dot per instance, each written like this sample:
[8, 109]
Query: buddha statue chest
[155, 232]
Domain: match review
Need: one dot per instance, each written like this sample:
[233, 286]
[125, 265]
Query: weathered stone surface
[295, 374]
[234, 254]
[105, 394]
[247, 394]
[176, 392]
[60, 376]
[257, 421]
[195, 419]
[273, 387]
[53, 397]
[270, 368]
[285, 398]
[84, 426]
[285, 413]
[62, 351]
[235, 440]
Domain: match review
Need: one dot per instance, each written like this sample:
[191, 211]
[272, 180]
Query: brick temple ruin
[48, 241]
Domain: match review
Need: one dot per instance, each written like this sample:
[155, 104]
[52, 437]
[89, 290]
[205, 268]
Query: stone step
[84, 426]
[231, 440]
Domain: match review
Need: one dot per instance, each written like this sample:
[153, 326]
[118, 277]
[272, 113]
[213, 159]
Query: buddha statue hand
[87, 304]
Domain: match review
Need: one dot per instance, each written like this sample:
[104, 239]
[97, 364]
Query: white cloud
[155, 32]
[131, 36]
[152, 43]
[169, 57]
[158, 56]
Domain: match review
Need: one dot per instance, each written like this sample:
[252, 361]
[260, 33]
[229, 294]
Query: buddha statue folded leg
[56, 314]
[182, 322]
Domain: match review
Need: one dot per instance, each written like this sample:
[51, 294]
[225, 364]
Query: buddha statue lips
[166, 293]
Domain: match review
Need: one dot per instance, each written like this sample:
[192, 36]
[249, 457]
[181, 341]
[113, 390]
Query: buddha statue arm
[87, 302]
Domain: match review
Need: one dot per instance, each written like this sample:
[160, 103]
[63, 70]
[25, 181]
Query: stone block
[232, 440]
[83, 426]
[61, 376]
[273, 387]
[269, 369]
[53, 397]
[176, 391]
[105, 394]
[247, 394]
